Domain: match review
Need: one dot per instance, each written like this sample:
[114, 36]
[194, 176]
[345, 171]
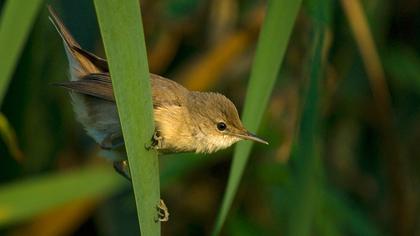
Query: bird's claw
[156, 143]
[163, 213]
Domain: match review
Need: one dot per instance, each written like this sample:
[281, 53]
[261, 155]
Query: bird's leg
[112, 141]
[122, 168]
[157, 141]
[163, 213]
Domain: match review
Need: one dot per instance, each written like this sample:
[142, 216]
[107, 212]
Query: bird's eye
[221, 126]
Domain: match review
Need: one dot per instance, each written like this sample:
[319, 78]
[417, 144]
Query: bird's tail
[98, 114]
[81, 62]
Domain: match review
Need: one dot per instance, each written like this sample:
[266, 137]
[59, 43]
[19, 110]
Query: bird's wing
[90, 73]
[97, 85]
[165, 92]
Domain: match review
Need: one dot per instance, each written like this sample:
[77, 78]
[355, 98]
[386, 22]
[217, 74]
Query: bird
[185, 121]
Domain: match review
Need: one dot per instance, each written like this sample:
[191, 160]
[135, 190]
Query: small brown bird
[185, 121]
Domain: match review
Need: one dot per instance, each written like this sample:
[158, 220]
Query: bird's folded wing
[96, 85]
[165, 92]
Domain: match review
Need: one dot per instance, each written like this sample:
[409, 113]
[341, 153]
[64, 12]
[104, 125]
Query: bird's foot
[157, 141]
[163, 213]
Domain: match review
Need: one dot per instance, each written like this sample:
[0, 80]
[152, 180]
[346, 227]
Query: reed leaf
[122, 33]
[308, 180]
[24, 199]
[16, 21]
[272, 44]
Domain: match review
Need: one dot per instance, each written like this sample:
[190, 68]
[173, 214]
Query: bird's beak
[250, 136]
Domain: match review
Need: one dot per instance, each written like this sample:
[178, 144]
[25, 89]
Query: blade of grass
[122, 33]
[306, 154]
[15, 24]
[24, 199]
[307, 214]
[276, 30]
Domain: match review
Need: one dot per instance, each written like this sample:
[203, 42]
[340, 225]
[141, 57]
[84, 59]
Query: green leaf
[271, 47]
[122, 33]
[27, 198]
[308, 179]
[16, 21]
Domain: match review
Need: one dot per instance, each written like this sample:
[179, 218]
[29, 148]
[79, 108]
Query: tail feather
[92, 102]
[70, 42]
[81, 62]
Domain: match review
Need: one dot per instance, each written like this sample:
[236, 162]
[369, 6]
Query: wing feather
[96, 85]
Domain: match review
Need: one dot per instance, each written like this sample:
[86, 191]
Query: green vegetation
[19, 201]
[122, 33]
[16, 20]
[272, 44]
[332, 85]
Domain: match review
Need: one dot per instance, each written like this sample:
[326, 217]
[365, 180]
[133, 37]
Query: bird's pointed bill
[250, 136]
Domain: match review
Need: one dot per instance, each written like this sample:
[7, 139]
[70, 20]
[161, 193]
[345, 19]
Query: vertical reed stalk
[122, 32]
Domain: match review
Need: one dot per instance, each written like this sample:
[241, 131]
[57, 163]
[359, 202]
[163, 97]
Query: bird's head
[216, 122]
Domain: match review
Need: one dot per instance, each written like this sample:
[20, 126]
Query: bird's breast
[172, 122]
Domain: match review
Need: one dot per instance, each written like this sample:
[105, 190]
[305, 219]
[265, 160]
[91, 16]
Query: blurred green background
[358, 175]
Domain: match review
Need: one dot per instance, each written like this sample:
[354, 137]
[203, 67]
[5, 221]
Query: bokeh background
[53, 180]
